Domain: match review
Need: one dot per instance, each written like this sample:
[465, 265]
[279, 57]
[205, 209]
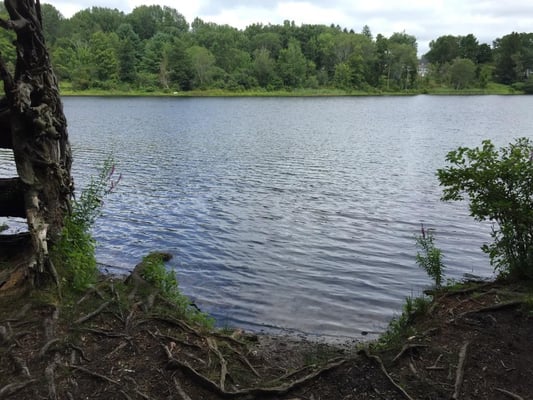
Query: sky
[425, 19]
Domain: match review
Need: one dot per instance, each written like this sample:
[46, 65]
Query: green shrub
[499, 185]
[74, 253]
[430, 257]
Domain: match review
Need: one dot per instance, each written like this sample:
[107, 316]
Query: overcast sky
[425, 19]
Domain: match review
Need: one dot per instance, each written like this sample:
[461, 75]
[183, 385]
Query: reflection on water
[297, 213]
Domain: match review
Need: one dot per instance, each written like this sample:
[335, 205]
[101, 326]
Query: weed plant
[74, 253]
[429, 258]
[401, 327]
[156, 274]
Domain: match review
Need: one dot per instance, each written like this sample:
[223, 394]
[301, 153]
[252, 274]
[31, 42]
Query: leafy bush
[74, 253]
[499, 185]
[430, 260]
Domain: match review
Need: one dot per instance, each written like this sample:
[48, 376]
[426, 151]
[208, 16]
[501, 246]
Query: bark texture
[34, 126]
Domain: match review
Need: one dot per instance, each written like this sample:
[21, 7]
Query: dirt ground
[473, 344]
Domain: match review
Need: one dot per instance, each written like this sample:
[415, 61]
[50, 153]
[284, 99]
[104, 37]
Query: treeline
[154, 48]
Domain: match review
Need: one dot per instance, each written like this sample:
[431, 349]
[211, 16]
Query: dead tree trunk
[32, 123]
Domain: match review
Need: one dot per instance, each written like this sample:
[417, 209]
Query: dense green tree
[292, 65]
[128, 53]
[104, 60]
[52, 23]
[180, 72]
[462, 73]
[484, 54]
[443, 50]
[154, 47]
[91, 20]
[203, 66]
[403, 60]
[264, 67]
[149, 20]
[513, 57]
[469, 47]
[343, 76]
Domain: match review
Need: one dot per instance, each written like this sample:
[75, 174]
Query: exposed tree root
[174, 363]
[180, 390]
[460, 372]
[12, 388]
[510, 394]
[384, 370]
[87, 317]
[407, 348]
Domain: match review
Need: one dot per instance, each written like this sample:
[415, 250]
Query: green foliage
[429, 258]
[153, 270]
[499, 186]
[154, 48]
[74, 253]
[462, 73]
[3, 227]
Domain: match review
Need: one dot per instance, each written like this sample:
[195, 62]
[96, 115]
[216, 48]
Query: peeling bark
[38, 133]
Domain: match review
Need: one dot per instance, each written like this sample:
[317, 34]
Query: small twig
[12, 388]
[180, 390]
[494, 307]
[223, 363]
[460, 372]
[95, 374]
[413, 369]
[507, 369]
[174, 363]
[510, 394]
[47, 346]
[384, 370]
[100, 332]
[20, 365]
[93, 314]
[79, 350]
[435, 364]
[49, 374]
[115, 350]
[244, 360]
[406, 348]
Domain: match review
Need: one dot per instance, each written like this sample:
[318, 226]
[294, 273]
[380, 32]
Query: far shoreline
[499, 91]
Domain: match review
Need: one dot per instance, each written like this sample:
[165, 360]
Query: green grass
[124, 91]
[153, 270]
[402, 326]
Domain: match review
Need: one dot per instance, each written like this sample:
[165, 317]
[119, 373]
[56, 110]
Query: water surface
[297, 213]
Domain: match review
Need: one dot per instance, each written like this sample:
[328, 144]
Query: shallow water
[297, 213]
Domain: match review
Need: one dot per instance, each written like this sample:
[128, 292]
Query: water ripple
[291, 213]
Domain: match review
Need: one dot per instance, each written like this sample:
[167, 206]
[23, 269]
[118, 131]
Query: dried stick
[174, 363]
[93, 314]
[13, 388]
[95, 374]
[510, 394]
[180, 390]
[406, 348]
[460, 372]
[384, 370]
